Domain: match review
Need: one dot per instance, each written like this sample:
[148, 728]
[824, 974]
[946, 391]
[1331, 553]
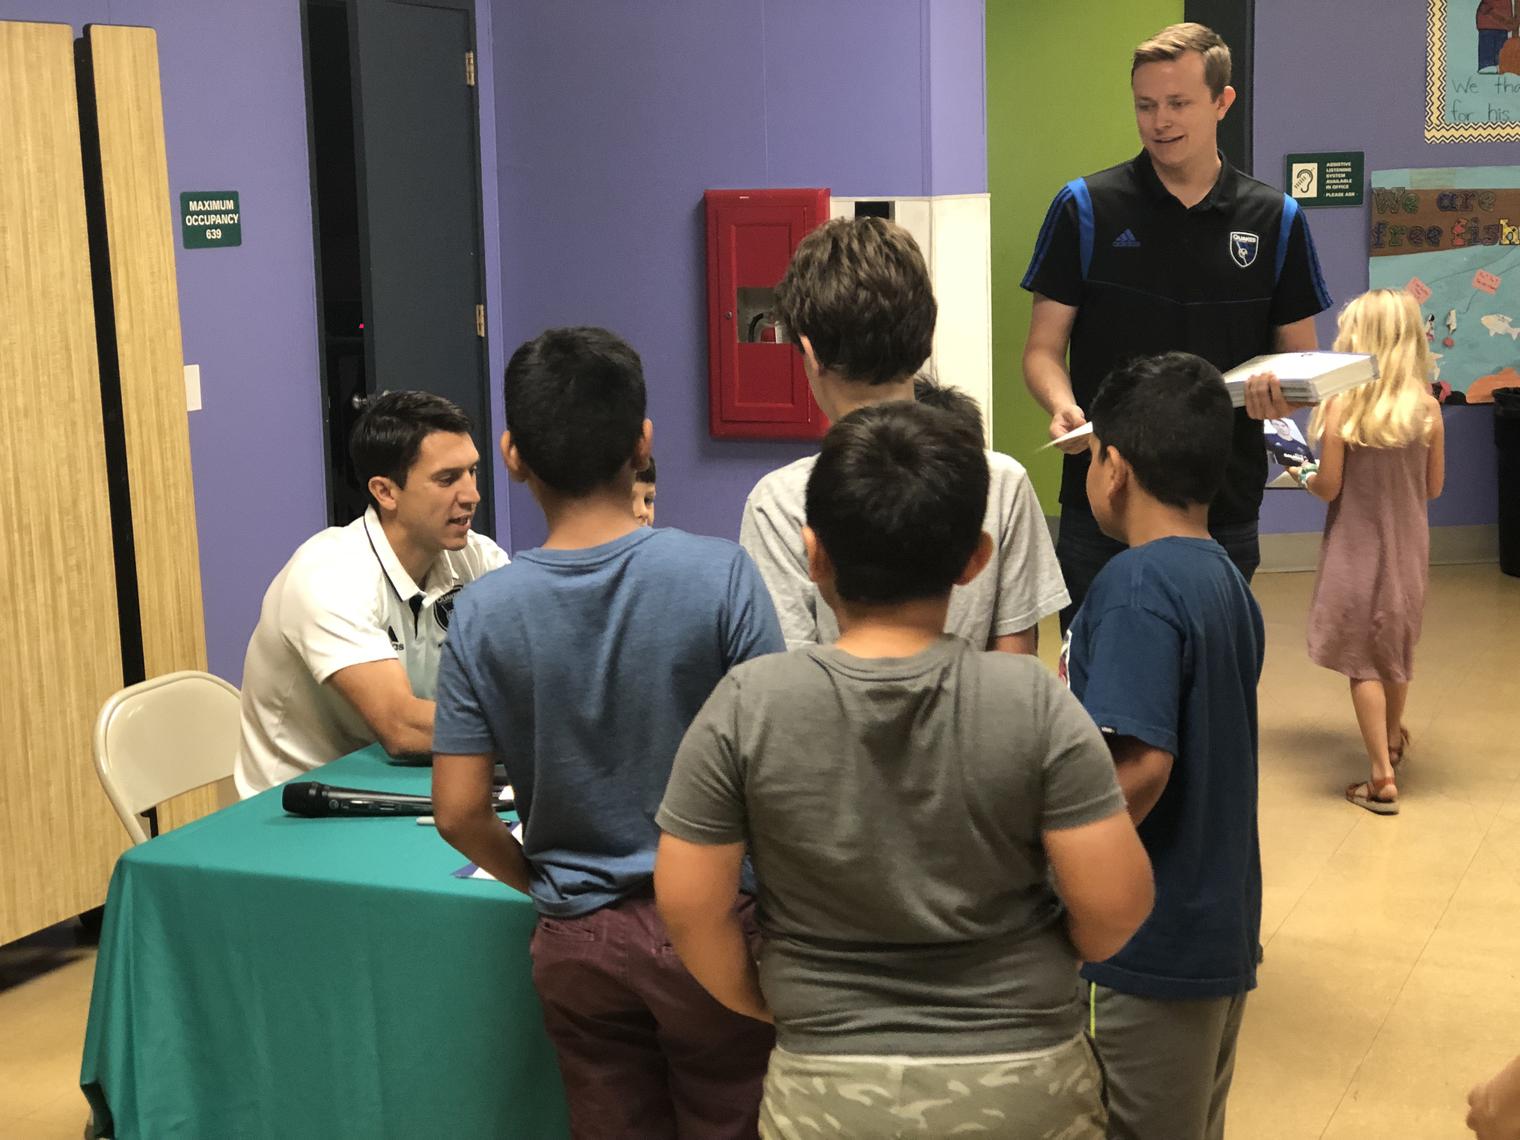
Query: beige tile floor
[1392, 945]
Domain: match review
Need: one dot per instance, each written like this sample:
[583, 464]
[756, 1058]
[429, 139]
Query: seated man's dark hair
[932, 394]
[1170, 417]
[859, 290]
[388, 437]
[897, 499]
[575, 406]
[646, 475]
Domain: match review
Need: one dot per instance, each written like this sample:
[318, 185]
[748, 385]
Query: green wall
[1058, 106]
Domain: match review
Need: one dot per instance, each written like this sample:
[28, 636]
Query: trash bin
[1507, 439]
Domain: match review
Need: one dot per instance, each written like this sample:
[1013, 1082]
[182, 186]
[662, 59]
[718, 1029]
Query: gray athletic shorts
[1168, 1064]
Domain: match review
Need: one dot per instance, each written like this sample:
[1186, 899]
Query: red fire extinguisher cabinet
[756, 386]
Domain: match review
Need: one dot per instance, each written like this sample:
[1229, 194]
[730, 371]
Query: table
[264, 975]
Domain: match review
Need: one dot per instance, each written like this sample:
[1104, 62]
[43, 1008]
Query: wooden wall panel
[140, 233]
[62, 658]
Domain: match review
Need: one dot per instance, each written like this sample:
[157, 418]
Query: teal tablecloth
[267, 976]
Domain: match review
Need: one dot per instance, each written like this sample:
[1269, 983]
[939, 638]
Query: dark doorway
[394, 142]
[1235, 21]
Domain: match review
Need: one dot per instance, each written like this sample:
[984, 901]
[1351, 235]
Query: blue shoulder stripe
[1085, 226]
[1074, 191]
[1047, 232]
[1284, 232]
[1291, 213]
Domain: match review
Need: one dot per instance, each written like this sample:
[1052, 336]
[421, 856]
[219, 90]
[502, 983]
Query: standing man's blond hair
[1170, 44]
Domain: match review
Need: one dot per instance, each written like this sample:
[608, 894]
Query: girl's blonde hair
[1390, 411]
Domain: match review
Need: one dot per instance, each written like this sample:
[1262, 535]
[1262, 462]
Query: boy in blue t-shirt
[579, 668]
[1165, 655]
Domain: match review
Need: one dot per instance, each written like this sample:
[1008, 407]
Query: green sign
[210, 218]
[1333, 178]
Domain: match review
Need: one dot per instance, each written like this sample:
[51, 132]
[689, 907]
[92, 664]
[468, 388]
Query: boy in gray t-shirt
[858, 302]
[904, 797]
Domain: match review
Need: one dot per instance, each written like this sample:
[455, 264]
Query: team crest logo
[443, 608]
[1243, 247]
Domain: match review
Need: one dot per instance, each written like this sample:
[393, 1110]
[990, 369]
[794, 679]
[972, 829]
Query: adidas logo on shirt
[1127, 240]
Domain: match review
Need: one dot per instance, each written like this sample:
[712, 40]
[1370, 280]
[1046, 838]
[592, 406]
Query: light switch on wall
[192, 387]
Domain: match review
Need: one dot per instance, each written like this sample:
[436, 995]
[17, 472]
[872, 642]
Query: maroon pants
[646, 1053]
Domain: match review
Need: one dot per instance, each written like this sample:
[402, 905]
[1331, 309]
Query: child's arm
[1026, 641]
[1104, 878]
[462, 763]
[697, 867]
[1101, 870]
[463, 811]
[697, 888]
[1494, 1105]
[1143, 771]
[1325, 483]
[1435, 461]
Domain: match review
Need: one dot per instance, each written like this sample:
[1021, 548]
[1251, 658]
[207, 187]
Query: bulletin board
[1472, 71]
[1451, 237]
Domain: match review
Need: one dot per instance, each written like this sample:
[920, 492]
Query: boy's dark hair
[1170, 417]
[388, 437]
[897, 499]
[646, 475]
[575, 406]
[932, 394]
[859, 290]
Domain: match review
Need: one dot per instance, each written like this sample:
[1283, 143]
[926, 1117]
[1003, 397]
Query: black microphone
[313, 800]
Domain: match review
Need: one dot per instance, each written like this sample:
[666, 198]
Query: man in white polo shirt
[346, 649]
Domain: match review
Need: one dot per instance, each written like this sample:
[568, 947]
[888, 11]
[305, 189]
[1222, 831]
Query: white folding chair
[162, 738]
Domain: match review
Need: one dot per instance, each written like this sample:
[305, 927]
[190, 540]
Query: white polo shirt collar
[442, 578]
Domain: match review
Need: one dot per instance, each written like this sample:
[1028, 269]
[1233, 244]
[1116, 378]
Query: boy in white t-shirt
[858, 303]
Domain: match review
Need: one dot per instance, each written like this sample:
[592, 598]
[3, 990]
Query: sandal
[1396, 755]
[1369, 794]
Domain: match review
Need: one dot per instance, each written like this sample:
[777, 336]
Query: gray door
[417, 166]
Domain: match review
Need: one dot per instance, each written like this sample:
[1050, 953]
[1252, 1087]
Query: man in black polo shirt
[1175, 249]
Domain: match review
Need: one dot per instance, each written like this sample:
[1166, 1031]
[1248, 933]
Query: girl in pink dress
[1382, 457]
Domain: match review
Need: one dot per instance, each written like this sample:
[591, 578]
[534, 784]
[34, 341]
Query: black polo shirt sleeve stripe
[1085, 225]
[1061, 257]
[1300, 290]
[1284, 232]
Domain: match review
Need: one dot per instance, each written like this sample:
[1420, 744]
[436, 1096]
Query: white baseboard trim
[1449, 546]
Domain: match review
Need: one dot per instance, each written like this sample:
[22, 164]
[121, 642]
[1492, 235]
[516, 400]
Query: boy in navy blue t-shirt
[1165, 655]
[579, 670]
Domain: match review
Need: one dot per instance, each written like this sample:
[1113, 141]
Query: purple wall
[957, 97]
[1358, 83]
[612, 120]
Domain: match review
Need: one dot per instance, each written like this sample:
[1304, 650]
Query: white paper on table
[471, 871]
